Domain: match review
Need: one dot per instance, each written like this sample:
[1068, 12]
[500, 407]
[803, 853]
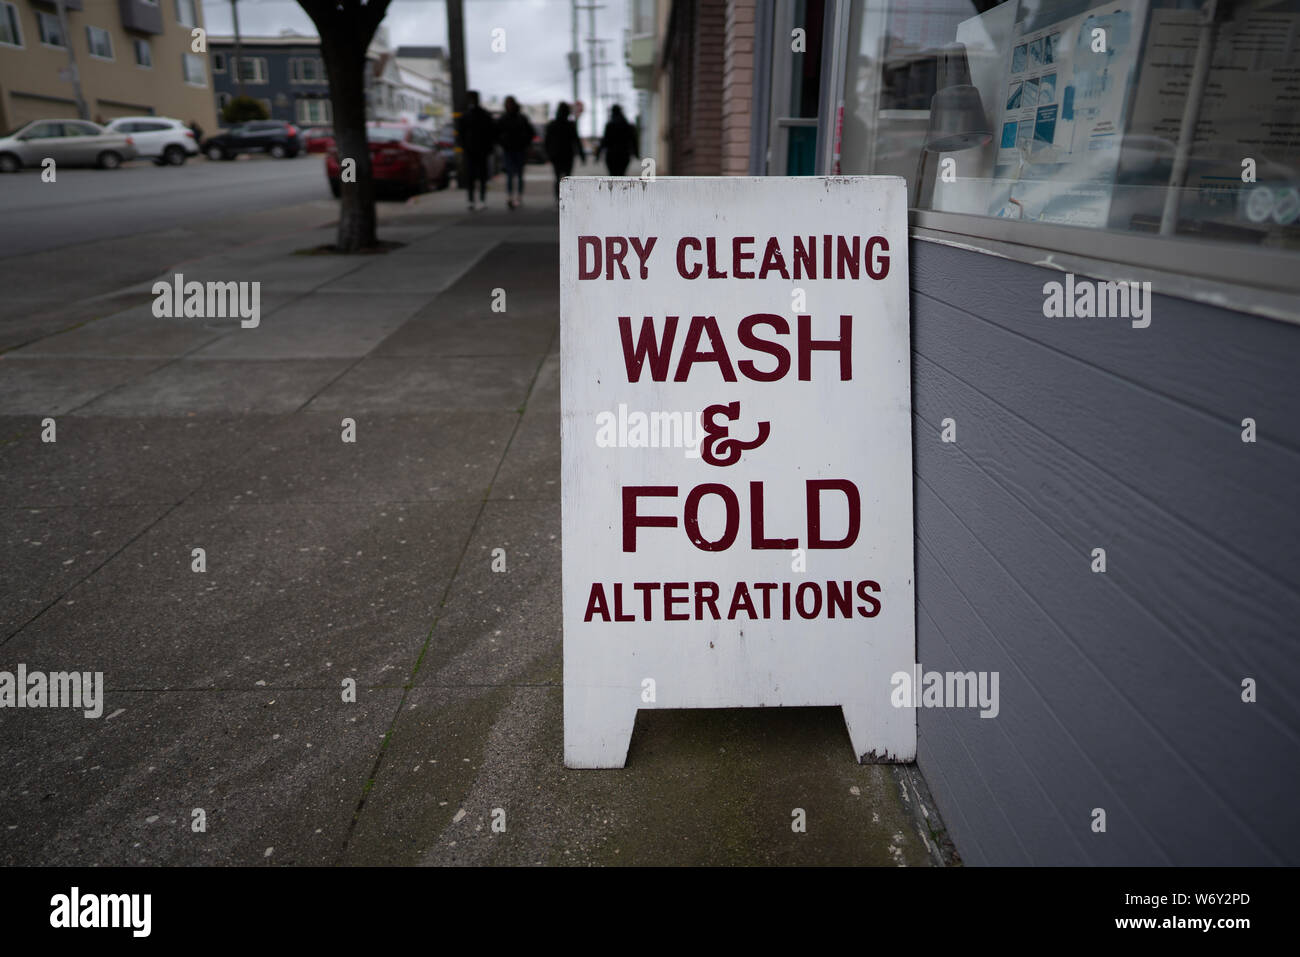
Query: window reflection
[1164, 117]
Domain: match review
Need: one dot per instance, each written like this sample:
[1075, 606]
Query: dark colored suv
[258, 136]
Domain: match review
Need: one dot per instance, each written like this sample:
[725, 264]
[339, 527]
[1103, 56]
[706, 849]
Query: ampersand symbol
[728, 449]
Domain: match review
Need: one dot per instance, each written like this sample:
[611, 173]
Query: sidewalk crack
[442, 603]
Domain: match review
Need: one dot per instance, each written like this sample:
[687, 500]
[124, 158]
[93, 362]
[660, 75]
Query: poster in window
[1077, 79]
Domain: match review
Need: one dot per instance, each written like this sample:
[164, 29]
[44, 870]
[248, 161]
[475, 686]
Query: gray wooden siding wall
[1121, 690]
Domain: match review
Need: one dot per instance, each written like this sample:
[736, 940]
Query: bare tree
[346, 28]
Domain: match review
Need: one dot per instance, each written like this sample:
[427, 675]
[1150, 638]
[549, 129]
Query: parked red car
[319, 139]
[402, 158]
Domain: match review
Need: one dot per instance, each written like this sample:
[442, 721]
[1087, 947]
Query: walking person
[515, 133]
[561, 143]
[619, 144]
[477, 134]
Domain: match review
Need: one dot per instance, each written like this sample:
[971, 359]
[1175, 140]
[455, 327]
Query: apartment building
[397, 92]
[431, 64]
[285, 73]
[132, 57]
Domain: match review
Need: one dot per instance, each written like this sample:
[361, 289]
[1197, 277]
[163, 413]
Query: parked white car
[166, 141]
[67, 142]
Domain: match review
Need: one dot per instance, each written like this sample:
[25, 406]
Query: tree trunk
[345, 62]
[346, 28]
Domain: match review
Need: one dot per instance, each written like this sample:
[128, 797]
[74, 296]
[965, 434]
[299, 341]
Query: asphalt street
[83, 205]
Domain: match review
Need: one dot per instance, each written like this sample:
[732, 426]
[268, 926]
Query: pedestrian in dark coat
[561, 143]
[515, 133]
[478, 135]
[619, 142]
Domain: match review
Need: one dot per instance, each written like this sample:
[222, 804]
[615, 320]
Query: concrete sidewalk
[328, 560]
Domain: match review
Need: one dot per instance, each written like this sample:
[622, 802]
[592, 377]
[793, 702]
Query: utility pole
[591, 25]
[575, 57]
[603, 76]
[591, 9]
[456, 48]
[74, 75]
[456, 54]
[237, 66]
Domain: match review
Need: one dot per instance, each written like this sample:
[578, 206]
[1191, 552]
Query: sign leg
[892, 743]
[598, 726]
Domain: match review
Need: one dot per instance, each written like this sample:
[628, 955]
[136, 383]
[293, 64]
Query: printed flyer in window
[1066, 94]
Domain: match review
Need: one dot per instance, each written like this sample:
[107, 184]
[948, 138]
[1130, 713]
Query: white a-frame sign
[737, 457]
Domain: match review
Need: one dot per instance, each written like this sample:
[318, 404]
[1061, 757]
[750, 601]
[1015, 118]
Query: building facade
[692, 64]
[428, 65]
[285, 73]
[399, 93]
[647, 21]
[133, 57]
[1107, 531]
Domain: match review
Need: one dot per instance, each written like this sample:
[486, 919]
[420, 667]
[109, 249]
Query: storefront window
[1174, 118]
[797, 64]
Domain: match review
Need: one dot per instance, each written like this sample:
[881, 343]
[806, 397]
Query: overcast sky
[538, 37]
